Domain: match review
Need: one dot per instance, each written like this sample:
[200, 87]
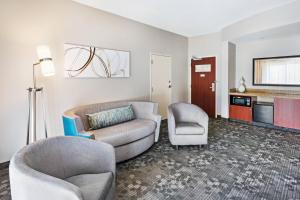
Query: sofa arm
[88, 135]
[144, 107]
[157, 119]
[153, 117]
[71, 125]
[148, 110]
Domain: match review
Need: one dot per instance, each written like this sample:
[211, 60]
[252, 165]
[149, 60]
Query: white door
[161, 85]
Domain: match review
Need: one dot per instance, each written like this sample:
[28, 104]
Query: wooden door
[203, 84]
[161, 82]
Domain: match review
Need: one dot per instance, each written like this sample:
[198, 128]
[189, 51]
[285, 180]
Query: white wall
[217, 44]
[280, 16]
[246, 51]
[227, 75]
[26, 24]
[231, 64]
[204, 46]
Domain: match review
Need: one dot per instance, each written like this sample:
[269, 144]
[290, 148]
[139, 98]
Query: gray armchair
[187, 124]
[63, 168]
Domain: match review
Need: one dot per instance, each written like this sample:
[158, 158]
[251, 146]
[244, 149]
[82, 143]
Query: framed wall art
[94, 62]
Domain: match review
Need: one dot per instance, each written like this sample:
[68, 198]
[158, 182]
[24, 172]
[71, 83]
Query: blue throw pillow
[110, 117]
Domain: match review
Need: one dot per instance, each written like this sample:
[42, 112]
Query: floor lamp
[46, 64]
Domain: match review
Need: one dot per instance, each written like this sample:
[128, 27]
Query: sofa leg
[176, 146]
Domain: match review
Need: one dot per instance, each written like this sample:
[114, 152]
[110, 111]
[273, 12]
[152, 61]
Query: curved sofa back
[81, 111]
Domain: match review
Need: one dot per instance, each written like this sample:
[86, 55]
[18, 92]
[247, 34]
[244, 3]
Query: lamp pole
[46, 62]
[32, 96]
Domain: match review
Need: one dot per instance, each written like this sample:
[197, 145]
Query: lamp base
[31, 125]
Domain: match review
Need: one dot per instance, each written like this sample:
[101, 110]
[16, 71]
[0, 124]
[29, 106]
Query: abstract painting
[94, 62]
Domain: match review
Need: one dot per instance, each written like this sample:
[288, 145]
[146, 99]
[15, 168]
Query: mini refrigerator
[263, 112]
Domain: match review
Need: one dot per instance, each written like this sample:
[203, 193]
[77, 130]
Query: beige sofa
[129, 139]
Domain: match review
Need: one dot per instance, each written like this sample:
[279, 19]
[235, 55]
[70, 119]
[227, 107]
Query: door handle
[170, 84]
[212, 86]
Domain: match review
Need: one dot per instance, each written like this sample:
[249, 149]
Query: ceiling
[186, 17]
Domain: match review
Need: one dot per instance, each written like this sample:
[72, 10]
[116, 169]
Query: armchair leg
[176, 146]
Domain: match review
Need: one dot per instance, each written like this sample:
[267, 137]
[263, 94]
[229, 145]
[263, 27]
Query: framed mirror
[277, 71]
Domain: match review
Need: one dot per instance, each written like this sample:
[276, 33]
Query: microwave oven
[240, 100]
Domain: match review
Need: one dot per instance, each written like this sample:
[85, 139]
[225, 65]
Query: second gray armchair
[187, 124]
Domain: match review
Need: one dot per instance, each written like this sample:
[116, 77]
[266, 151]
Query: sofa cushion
[93, 186]
[189, 128]
[110, 117]
[125, 133]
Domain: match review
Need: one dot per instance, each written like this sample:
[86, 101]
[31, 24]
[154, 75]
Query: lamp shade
[45, 59]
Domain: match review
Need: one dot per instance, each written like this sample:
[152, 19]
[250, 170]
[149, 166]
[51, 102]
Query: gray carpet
[240, 162]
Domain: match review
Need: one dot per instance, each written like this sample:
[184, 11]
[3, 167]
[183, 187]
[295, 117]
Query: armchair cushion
[93, 186]
[126, 132]
[189, 128]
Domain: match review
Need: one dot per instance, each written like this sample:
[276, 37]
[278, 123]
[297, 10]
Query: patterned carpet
[240, 162]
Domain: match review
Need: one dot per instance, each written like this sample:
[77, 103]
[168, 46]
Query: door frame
[150, 74]
[216, 81]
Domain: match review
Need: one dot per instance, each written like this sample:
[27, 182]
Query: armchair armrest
[106, 162]
[202, 118]
[171, 121]
[27, 184]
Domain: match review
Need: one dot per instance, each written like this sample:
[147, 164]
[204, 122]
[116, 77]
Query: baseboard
[264, 125]
[4, 165]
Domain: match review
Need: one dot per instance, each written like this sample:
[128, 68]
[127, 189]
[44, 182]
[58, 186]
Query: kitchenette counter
[285, 103]
[268, 93]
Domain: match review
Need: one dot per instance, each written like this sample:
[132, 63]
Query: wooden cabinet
[286, 108]
[243, 113]
[287, 112]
